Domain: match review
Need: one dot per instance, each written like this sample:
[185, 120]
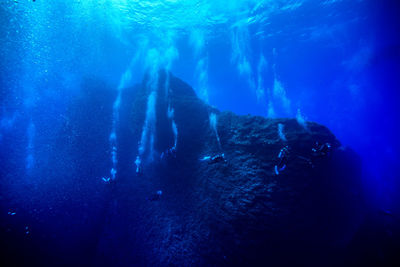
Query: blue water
[335, 62]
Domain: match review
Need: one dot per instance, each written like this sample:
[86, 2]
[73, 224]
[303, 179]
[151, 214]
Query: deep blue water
[335, 62]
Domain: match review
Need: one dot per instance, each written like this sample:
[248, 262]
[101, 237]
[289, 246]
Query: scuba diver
[217, 158]
[282, 160]
[321, 150]
[214, 159]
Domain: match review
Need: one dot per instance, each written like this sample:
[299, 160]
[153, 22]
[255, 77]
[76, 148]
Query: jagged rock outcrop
[239, 211]
[235, 211]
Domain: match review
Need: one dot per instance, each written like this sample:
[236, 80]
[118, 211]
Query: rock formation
[237, 210]
[182, 207]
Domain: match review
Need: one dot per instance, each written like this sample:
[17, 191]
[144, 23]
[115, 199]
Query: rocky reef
[194, 186]
[236, 210]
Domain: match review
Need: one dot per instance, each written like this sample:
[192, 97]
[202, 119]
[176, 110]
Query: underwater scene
[199, 133]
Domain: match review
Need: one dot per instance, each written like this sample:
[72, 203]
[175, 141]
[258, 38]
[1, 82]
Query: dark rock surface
[233, 212]
[239, 211]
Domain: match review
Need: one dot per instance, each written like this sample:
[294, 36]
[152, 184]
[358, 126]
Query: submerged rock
[194, 187]
[236, 210]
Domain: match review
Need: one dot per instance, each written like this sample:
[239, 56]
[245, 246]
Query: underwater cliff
[189, 186]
